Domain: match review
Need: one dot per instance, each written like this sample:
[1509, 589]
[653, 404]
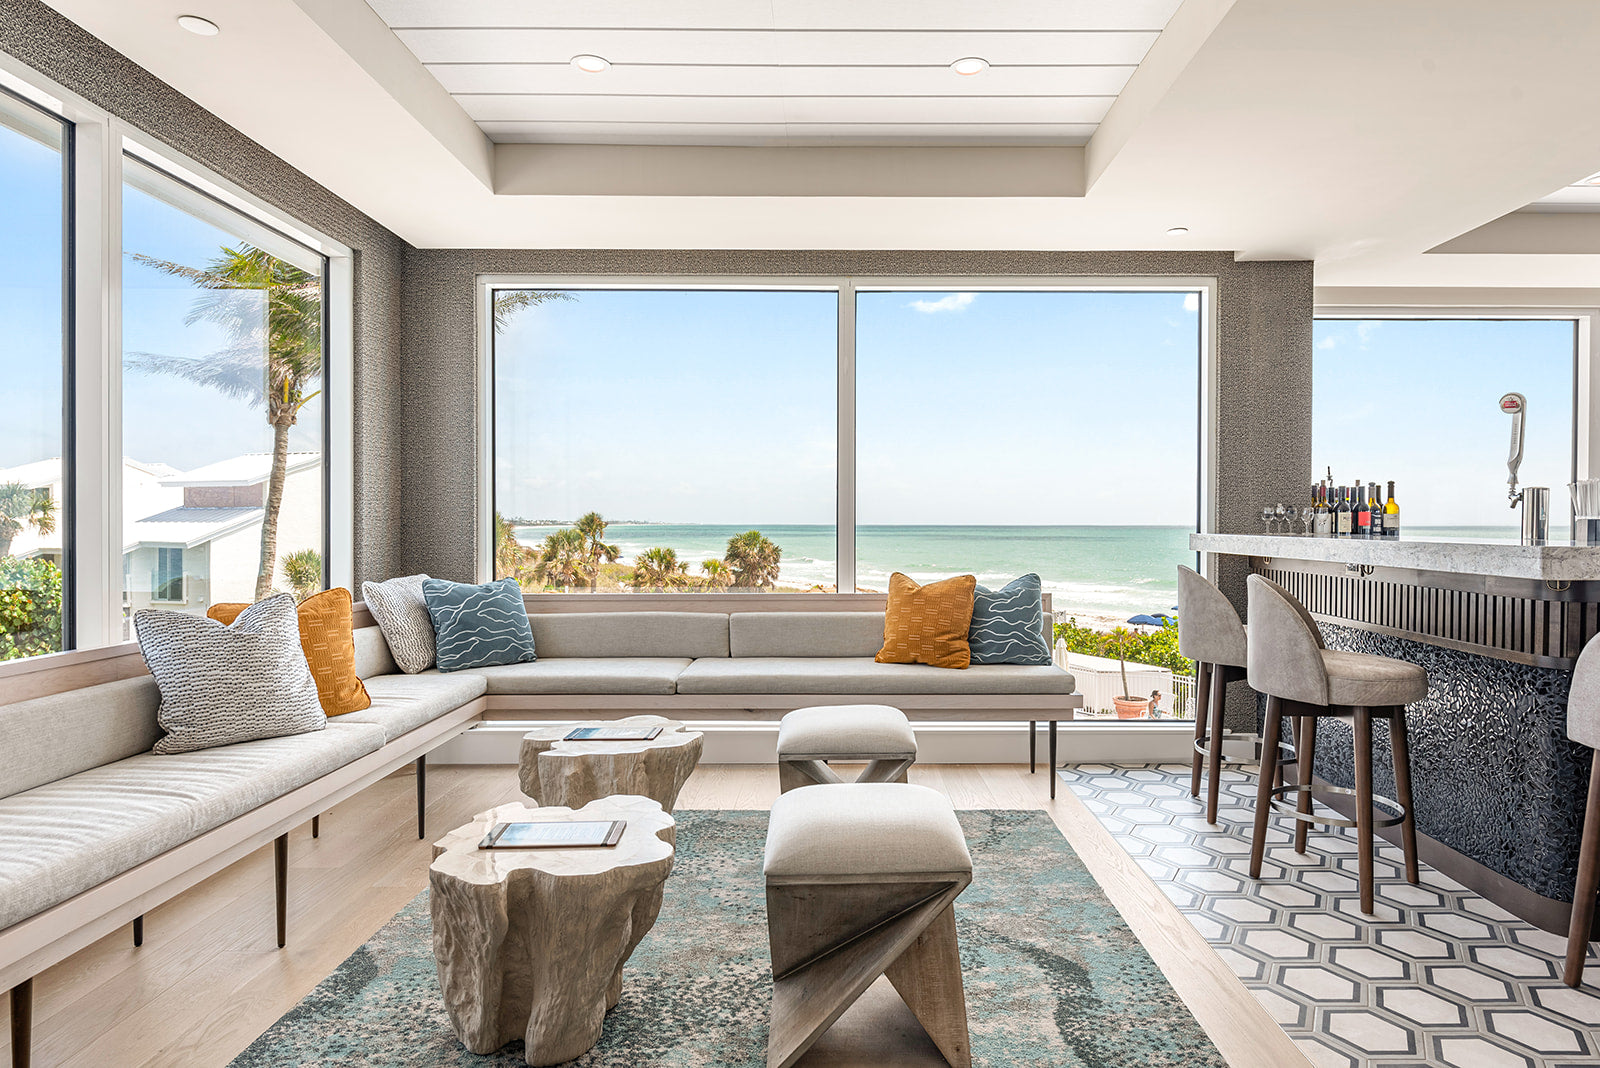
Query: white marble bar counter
[1555, 561]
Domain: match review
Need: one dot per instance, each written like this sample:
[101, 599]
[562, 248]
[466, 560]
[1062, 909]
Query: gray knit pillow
[225, 684]
[402, 615]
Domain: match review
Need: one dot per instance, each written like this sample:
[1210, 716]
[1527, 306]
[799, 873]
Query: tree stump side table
[531, 943]
[558, 772]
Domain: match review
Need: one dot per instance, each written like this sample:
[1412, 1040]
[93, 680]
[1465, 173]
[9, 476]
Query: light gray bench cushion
[860, 675]
[49, 738]
[65, 837]
[586, 675]
[631, 634]
[805, 633]
[402, 703]
[837, 731]
[372, 653]
[878, 828]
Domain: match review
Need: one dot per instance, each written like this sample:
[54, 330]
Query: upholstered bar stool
[1210, 634]
[1300, 677]
[1583, 727]
[879, 736]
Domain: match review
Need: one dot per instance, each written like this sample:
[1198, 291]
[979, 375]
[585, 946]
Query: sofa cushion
[402, 613]
[478, 625]
[805, 633]
[1008, 623]
[327, 640]
[928, 624]
[402, 703]
[860, 675]
[372, 653]
[631, 634]
[62, 838]
[586, 675]
[105, 723]
[223, 684]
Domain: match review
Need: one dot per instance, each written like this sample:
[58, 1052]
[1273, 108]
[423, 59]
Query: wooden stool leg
[1218, 706]
[1400, 745]
[22, 1024]
[928, 979]
[1305, 746]
[1202, 684]
[1588, 882]
[1363, 762]
[1269, 768]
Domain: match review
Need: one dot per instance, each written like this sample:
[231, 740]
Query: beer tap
[1535, 500]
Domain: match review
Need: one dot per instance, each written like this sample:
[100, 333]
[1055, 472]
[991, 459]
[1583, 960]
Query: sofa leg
[422, 797]
[1033, 748]
[138, 930]
[22, 1024]
[1052, 759]
[316, 826]
[280, 873]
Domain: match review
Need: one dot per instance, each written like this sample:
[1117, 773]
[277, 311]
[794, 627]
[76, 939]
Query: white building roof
[188, 527]
[36, 475]
[246, 470]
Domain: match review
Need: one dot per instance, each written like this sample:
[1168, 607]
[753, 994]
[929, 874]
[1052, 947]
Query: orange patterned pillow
[329, 643]
[928, 624]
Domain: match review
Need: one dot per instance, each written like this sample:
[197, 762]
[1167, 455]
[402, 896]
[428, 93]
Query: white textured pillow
[225, 684]
[402, 615]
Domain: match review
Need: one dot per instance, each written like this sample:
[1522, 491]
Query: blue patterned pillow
[1008, 624]
[478, 626]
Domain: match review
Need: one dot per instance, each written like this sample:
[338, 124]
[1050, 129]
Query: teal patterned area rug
[1053, 976]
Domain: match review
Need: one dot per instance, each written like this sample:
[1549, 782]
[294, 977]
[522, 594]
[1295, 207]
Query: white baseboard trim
[754, 742]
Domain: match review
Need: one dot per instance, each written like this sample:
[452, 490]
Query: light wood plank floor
[209, 978]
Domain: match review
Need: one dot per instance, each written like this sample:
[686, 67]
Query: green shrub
[30, 607]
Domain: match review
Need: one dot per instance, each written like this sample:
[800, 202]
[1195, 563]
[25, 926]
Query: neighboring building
[191, 540]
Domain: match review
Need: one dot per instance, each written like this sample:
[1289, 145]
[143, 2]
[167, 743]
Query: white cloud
[954, 302]
[1191, 302]
[1327, 342]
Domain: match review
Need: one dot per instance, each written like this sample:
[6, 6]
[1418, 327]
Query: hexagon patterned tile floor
[1438, 976]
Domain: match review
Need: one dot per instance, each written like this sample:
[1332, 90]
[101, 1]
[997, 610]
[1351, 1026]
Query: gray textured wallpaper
[60, 49]
[1263, 369]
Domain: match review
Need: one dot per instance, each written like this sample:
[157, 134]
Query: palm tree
[23, 506]
[753, 559]
[658, 569]
[593, 529]
[511, 557]
[303, 570]
[563, 559]
[507, 302]
[718, 576]
[272, 361]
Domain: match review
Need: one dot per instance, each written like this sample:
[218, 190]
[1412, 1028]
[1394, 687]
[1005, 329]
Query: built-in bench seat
[862, 675]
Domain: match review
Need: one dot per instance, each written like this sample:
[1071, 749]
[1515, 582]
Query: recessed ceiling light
[198, 26]
[591, 64]
[970, 65]
[1177, 231]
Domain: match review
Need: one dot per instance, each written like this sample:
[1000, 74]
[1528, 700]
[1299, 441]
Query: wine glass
[1308, 516]
[1283, 515]
[1266, 518]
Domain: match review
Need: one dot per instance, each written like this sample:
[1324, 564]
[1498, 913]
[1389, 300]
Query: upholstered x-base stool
[861, 882]
[877, 735]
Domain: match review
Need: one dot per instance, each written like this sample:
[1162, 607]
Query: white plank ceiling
[782, 72]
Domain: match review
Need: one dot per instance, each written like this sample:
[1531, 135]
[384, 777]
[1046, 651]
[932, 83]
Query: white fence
[1100, 680]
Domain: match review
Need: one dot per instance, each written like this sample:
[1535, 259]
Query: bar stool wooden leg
[1305, 746]
[1400, 745]
[1588, 882]
[1202, 683]
[1363, 762]
[1269, 767]
[1218, 706]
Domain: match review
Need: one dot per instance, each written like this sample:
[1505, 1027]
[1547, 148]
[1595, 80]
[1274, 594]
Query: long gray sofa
[95, 828]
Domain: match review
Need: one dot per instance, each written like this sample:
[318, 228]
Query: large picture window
[1417, 401]
[665, 440]
[222, 395]
[35, 453]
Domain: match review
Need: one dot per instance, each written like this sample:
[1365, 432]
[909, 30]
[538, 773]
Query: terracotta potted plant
[1128, 706]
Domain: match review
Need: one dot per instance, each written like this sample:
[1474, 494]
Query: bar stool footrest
[1287, 808]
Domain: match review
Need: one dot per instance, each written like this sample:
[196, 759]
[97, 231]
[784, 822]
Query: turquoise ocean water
[1092, 570]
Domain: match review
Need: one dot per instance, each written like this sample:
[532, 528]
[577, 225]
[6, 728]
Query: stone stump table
[558, 772]
[531, 943]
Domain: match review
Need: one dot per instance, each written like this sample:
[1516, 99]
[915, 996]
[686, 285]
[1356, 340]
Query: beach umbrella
[1145, 621]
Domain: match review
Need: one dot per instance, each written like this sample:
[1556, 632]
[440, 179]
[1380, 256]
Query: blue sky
[718, 407]
[164, 419]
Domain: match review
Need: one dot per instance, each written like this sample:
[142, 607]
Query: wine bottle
[1341, 513]
[1376, 496]
[1391, 516]
[1361, 525]
[1323, 523]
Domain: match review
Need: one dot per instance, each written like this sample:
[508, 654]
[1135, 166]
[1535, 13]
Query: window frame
[846, 287]
[1585, 459]
[100, 140]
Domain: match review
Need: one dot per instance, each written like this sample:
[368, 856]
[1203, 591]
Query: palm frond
[507, 302]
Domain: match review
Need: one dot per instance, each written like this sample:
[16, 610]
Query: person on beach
[1155, 703]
